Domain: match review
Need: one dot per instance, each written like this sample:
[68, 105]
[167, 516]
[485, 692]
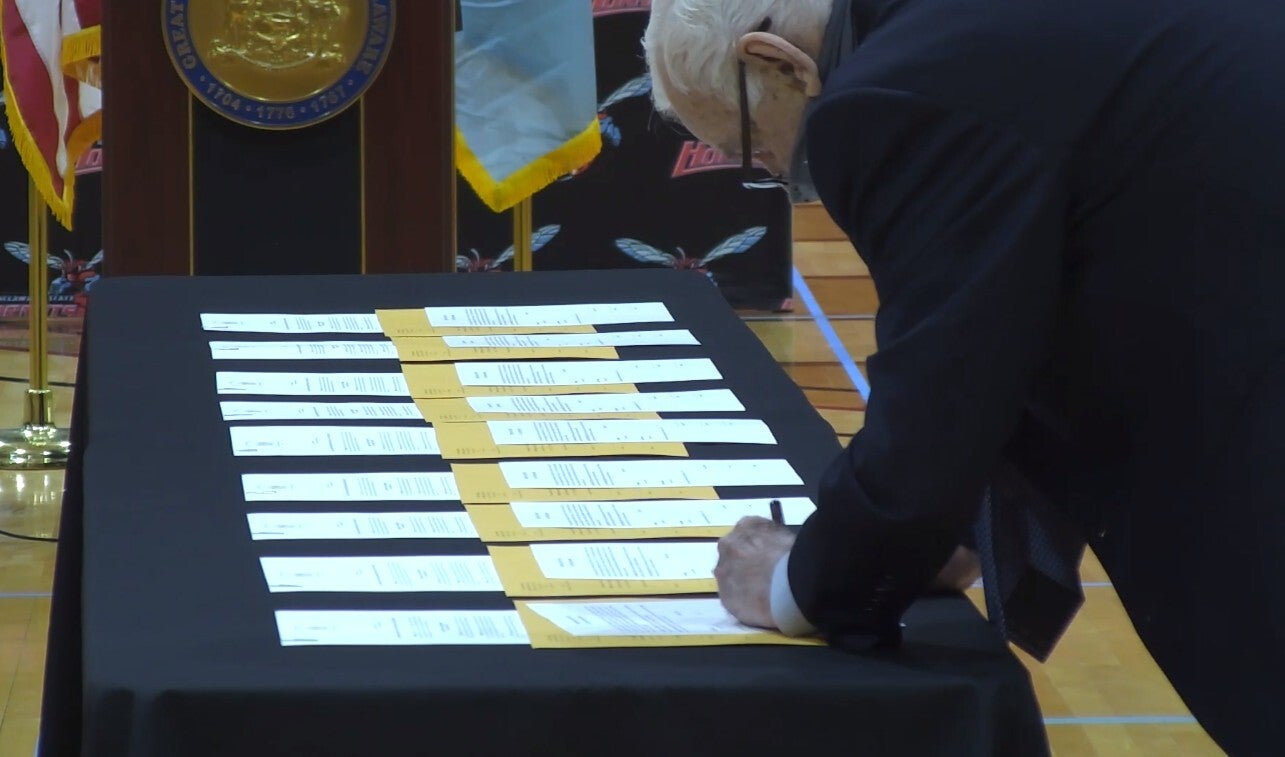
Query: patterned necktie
[1030, 553]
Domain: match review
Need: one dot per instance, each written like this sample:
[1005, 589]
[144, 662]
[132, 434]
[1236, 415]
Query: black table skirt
[163, 642]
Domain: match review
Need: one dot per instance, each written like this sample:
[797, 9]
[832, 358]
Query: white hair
[691, 44]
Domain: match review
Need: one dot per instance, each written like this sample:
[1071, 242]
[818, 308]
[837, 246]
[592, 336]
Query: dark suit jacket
[1074, 214]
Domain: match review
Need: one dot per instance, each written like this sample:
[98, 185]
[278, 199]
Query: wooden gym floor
[1100, 692]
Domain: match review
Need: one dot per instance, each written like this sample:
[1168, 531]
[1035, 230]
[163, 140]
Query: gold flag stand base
[38, 443]
[523, 227]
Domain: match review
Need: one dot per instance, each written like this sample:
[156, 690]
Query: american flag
[49, 50]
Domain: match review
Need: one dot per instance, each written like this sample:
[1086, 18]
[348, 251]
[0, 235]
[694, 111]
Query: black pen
[777, 517]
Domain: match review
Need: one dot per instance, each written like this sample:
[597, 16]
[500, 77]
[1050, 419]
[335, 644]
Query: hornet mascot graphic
[733, 245]
[75, 277]
[474, 262]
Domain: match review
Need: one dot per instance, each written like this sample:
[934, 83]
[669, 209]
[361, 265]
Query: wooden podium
[187, 191]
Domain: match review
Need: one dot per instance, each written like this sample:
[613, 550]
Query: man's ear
[765, 47]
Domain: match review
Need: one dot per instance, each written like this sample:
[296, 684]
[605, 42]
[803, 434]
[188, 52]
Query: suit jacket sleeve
[961, 224]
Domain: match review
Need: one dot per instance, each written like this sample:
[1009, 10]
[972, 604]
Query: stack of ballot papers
[587, 406]
[431, 349]
[624, 519]
[597, 514]
[594, 438]
[648, 622]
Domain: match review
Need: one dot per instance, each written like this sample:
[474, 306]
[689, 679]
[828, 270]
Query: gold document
[481, 483]
[473, 441]
[598, 520]
[642, 622]
[458, 410]
[441, 380]
[432, 349]
[522, 576]
[498, 523]
[414, 322]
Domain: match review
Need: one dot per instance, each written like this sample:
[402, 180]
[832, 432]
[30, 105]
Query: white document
[368, 350]
[700, 401]
[631, 431]
[381, 574]
[652, 617]
[312, 384]
[665, 337]
[621, 561]
[349, 487]
[302, 628]
[660, 513]
[282, 323]
[550, 315]
[297, 441]
[322, 411]
[585, 372]
[571, 474]
[274, 526]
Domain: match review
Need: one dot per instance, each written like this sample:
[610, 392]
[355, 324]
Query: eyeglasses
[750, 179]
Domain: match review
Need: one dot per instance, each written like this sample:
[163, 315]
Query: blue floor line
[1083, 584]
[25, 595]
[1124, 720]
[827, 331]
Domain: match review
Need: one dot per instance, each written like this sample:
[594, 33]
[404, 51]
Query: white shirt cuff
[785, 611]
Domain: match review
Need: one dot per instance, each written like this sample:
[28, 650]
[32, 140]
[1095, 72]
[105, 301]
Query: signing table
[163, 640]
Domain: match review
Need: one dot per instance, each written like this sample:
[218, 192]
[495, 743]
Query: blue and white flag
[526, 108]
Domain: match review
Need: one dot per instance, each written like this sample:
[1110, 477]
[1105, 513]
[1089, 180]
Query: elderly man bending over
[1074, 216]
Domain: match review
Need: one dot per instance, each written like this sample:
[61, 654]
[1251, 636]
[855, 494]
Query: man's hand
[746, 558]
[959, 572]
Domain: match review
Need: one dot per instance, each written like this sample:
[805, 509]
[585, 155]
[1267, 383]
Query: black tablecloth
[163, 640]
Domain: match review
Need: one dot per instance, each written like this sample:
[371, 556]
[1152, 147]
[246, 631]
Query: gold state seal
[278, 64]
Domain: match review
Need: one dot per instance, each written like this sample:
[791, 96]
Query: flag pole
[38, 443]
[522, 231]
